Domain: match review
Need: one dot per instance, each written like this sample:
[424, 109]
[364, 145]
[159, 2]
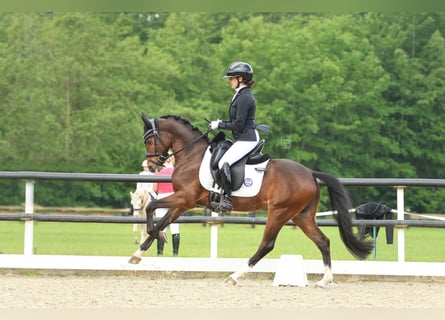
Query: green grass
[234, 241]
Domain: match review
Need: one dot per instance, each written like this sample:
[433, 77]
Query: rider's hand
[214, 124]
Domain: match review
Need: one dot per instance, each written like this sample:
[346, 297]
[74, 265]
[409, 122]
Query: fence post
[29, 224]
[214, 238]
[401, 230]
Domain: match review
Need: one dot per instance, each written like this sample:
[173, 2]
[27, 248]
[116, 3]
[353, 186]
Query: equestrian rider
[146, 170]
[242, 124]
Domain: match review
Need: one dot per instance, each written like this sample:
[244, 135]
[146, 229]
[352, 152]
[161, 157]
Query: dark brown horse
[289, 191]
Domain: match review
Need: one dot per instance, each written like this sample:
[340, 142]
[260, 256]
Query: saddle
[219, 145]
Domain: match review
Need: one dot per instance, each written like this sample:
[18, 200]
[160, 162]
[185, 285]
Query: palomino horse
[139, 202]
[289, 191]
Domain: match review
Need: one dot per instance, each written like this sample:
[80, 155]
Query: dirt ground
[31, 291]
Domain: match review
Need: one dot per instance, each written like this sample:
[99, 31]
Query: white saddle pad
[253, 177]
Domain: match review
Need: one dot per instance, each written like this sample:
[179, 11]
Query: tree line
[356, 95]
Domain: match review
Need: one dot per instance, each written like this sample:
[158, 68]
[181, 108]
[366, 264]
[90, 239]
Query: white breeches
[238, 150]
[160, 212]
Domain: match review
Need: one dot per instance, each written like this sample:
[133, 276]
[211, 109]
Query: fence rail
[29, 217]
[210, 220]
[117, 177]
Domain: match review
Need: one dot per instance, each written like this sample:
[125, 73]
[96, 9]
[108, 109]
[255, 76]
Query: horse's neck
[189, 147]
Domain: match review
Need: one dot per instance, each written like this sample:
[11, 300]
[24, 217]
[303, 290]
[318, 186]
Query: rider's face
[234, 82]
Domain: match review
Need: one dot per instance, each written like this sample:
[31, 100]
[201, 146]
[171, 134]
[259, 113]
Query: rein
[190, 144]
[162, 157]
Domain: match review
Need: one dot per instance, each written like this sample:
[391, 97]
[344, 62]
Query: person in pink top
[165, 189]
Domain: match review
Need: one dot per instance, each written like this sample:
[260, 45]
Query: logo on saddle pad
[250, 184]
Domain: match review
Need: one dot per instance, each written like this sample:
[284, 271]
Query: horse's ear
[146, 120]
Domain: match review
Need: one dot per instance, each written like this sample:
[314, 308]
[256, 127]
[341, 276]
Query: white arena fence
[212, 264]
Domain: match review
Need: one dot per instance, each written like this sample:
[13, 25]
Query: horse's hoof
[230, 280]
[134, 260]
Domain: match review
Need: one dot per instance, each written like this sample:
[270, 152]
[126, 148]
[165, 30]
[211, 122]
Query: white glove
[214, 124]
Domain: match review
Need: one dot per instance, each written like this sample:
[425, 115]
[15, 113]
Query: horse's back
[290, 178]
[289, 169]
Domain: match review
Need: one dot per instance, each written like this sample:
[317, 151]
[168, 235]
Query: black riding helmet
[240, 69]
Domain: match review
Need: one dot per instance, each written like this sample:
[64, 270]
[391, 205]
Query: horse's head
[172, 132]
[156, 143]
[136, 201]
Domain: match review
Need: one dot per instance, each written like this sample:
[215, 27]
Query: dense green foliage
[356, 95]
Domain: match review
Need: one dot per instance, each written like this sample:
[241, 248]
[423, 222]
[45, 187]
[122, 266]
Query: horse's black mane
[186, 122]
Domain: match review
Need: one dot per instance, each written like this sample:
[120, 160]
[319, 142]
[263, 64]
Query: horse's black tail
[340, 202]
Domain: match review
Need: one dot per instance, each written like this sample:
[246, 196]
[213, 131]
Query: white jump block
[290, 271]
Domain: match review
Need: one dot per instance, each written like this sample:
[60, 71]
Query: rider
[242, 124]
[146, 170]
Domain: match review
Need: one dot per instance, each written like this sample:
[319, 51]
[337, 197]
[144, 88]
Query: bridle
[154, 132]
[162, 157]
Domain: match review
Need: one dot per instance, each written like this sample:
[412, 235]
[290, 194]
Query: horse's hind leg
[271, 230]
[306, 222]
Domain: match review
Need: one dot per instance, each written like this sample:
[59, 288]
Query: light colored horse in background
[139, 201]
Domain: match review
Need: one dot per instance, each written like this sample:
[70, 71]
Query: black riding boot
[175, 241]
[160, 247]
[225, 205]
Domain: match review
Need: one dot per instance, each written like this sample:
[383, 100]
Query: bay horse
[289, 191]
[139, 203]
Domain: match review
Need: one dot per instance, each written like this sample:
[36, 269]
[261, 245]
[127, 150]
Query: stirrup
[213, 206]
[225, 205]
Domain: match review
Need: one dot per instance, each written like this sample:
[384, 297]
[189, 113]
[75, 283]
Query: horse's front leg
[149, 216]
[177, 204]
[135, 233]
[150, 228]
[137, 256]
[152, 234]
[156, 233]
[136, 228]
